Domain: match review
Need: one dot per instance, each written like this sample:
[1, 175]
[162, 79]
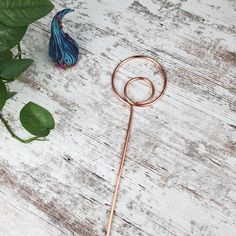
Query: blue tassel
[63, 50]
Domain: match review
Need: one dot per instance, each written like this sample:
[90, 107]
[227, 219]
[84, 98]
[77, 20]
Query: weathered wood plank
[18, 217]
[180, 171]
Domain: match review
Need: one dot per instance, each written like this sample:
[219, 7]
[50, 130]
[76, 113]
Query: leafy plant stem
[18, 55]
[14, 21]
[19, 50]
[4, 121]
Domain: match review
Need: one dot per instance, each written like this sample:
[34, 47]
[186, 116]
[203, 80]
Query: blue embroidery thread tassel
[63, 50]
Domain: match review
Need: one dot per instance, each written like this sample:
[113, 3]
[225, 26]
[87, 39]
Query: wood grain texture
[180, 176]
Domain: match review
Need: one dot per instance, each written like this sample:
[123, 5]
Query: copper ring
[126, 99]
[140, 103]
[149, 101]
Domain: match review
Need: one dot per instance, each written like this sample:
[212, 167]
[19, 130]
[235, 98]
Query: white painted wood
[18, 217]
[180, 171]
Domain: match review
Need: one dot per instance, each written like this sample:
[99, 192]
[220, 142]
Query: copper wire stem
[120, 170]
[128, 101]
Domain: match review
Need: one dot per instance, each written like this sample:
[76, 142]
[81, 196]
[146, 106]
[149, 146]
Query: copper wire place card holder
[131, 104]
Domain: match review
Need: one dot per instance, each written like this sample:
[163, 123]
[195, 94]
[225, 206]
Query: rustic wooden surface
[180, 176]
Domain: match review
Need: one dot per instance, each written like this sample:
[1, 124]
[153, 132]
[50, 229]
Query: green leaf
[36, 120]
[23, 12]
[11, 94]
[10, 36]
[6, 55]
[3, 95]
[11, 69]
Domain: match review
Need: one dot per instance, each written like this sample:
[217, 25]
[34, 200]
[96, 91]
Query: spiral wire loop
[129, 102]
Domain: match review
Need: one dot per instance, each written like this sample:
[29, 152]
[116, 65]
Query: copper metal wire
[131, 104]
